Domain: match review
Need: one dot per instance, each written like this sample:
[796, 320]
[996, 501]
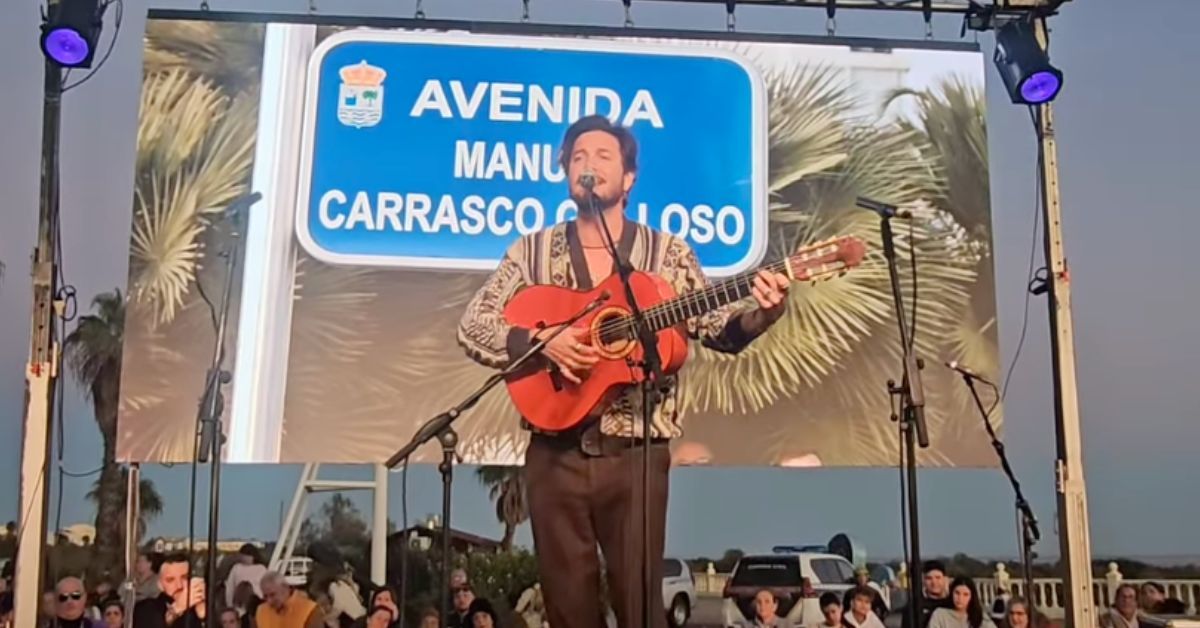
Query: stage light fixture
[70, 32]
[1024, 65]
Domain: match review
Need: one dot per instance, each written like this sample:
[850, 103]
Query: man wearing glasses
[70, 605]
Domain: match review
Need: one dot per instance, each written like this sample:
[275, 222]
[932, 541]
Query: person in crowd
[250, 567]
[48, 608]
[180, 603]
[934, 593]
[860, 614]
[531, 606]
[831, 611]
[862, 580]
[230, 618]
[482, 615]
[1124, 612]
[344, 600]
[284, 607]
[461, 600]
[113, 614]
[430, 618]
[1021, 614]
[145, 576]
[1154, 600]
[245, 603]
[101, 595]
[964, 611]
[385, 597]
[380, 617]
[766, 607]
[71, 605]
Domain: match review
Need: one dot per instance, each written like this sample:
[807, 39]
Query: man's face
[229, 619]
[600, 153]
[935, 583]
[765, 605]
[833, 614]
[463, 599]
[143, 567]
[429, 621]
[1127, 601]
[276, 594]
[173, 578]
[70, 600]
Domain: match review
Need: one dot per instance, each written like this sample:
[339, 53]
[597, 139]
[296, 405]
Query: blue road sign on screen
[438, 151]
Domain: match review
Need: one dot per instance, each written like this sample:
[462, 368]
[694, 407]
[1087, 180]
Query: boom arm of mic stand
[1022, 503]
[913, 388]
[441, 422]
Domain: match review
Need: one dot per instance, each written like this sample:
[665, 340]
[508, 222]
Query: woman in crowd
[114, 614]
[965, 610]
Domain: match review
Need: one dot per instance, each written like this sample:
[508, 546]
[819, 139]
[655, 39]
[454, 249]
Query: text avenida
[514, 161]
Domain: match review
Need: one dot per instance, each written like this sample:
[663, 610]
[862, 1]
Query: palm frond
[228, 54]
[195, 150]
[93, 349]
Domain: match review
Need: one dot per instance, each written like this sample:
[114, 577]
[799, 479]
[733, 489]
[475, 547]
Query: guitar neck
[729, 290]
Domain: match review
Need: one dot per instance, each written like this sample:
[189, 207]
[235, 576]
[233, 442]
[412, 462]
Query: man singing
[582, 485]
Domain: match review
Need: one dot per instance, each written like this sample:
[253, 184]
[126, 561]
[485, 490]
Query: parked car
[797, 579]
[679, 592]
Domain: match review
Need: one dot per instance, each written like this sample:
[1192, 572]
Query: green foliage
[500, 577]
[339, 525]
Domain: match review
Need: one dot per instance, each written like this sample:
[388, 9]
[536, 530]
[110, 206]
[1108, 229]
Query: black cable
[112, 43]
[1031, 273]
[404, 541]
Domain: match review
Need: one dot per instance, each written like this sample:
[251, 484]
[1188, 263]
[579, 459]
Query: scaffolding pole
[40, 373]
[1073, 538]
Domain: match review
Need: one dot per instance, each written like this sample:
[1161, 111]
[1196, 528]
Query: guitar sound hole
[615, 333]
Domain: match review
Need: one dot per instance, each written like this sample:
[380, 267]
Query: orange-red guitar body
[550, 402]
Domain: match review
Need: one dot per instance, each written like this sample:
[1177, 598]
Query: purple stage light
[1041, 87]
[65, 46]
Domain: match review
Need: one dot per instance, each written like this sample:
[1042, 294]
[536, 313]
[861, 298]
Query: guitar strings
[624, 324]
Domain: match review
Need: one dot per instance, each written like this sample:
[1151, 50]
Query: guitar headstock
[825, 259]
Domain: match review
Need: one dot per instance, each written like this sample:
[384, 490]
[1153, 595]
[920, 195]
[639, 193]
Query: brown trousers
[585, 492]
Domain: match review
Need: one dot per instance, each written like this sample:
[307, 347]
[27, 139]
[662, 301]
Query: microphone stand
[651, 366]
[441, 427]
[212, 405]
[1030, 534]
[911, 396]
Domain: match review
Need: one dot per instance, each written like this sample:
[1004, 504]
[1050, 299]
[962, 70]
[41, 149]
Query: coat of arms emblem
[360, 99]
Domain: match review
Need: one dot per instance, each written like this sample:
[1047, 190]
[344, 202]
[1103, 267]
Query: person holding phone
[181, 603]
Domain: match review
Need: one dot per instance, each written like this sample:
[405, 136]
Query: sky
[1127, 152]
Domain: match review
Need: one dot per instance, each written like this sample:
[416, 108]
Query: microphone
[587, 179]
[964, 371]
[883, 209]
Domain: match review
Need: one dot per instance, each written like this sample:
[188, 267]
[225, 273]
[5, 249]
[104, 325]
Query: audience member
[70, 605]
[246, 603]
[113, 614]
[1124, 612]
[250, 567]
[531, 606]
[180, 603]
[965, 611]
[230, 618]
[482, 615]
[862, 579]
[766, 605]
[344, 600]
[145, 577]
[934, 594]
[1021, 614]
[860, 614]
[430, 618]
[284, 607]
[463, 597]
[832, 611]
[380, 617]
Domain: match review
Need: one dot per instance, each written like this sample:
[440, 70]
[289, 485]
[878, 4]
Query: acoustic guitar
[551, 403]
